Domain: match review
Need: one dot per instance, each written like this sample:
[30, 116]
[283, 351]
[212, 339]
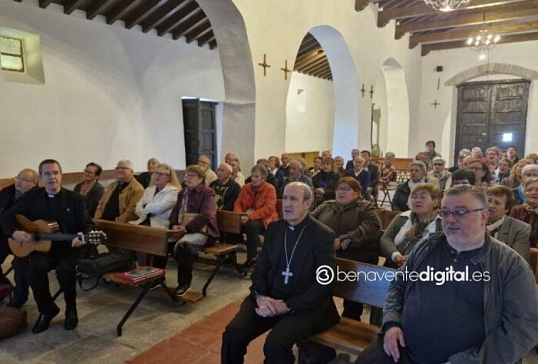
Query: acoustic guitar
[43, 234]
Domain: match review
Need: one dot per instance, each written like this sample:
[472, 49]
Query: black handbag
[94, 268]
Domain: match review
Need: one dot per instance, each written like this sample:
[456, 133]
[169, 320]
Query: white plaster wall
[439, 124]
[312, 129]
[110, 93]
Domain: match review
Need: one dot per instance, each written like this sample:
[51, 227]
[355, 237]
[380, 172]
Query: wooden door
[492, 113]
[200, 130]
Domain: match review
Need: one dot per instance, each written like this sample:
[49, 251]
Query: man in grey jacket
[461, 297]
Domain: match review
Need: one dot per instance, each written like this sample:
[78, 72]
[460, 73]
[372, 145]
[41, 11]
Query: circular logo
[324, 275]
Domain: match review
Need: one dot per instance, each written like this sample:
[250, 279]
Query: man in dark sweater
[286, 297]
[67, 208]
[472, 298]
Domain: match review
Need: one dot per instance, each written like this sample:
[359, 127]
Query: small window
[11, 56]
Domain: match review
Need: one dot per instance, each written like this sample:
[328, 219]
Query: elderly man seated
[439, 172]
[205, 163]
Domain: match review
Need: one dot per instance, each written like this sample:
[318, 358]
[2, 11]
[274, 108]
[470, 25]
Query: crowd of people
[479, 216]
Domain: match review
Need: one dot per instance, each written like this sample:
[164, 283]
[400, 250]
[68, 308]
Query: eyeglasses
[438, 164]
[22, 179]
[345, 189]
[160, 174]
[88, 171]
[475, 169]
[191, 175]
[458, 214]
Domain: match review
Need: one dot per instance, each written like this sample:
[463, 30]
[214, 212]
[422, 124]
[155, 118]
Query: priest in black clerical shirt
[286, 297]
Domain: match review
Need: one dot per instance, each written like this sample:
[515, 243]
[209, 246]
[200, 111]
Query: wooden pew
[143, 239]
[349, 335]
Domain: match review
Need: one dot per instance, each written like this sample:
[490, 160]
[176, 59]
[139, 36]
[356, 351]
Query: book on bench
[140, 273]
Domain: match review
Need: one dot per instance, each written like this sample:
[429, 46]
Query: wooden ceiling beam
[314, 47]
[509, 38]
[189, 24]
[140, 14]
[167, 26]
[206, 38]
[72, 5]
[121, 9]
[312, 57]
[159, 15]
[317, 67]
[361, 4]
[421, 9]
[499, 13]
[198, 31]
[97, 7]
[213, 44]
[416, 39]
[328, 75]
[44, 3]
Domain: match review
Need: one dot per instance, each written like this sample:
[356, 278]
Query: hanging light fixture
[447, 5]
[483, 41]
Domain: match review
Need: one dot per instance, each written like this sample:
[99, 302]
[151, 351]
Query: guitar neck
[57, 237]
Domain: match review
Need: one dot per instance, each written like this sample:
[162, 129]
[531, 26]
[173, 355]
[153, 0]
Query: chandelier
[483, 41]
[447, 5]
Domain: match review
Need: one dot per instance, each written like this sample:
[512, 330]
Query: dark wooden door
[200, 130]
[492, 113]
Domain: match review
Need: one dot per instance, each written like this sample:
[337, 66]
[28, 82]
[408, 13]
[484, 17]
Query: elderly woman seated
[356, 225]
[410, 228]
[324, 181]
[528, 211]
[417, 172]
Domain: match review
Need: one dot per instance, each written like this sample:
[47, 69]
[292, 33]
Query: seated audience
[423, 157]
[325, 181]
[410, 228]
[237, 175]
[304, 168]
[205, 163]
[356, 225]
[120, 198]
[374, 175]
[515, 177]
[506, 229]
[511, 153]
[476, 153]
[316, 168]
[439, 172]
[200, 232]
[529, 171]
[90, 188]
[431, 153]
[284, 163]
[488, 320]
[493, 156]
[350, 165]
[10, 196]
[270, 176]
[226, 189]
[482, 175]
[505, 165]
[228, 158]
[461, 156]
[462, 177]
[326, 154]
[257, 200]
[154, 208]
[144, 178]
[388, 171]
[528, 211]
[295, 174]
[274, 168]
[361, 174]
[339, 162]
[417, 172]
[286, 297]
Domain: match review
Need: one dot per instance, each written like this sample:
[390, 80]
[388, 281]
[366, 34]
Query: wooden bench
[143, 239]
[349, 335]
[534, 265]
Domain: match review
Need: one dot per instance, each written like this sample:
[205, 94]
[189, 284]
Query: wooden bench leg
[217, 267]
[169, 291]
[145, 290]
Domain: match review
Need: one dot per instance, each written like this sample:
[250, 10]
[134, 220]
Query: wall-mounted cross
[285, 69]
[362, 90]
[371, 92]
[435, 104]
[264, 65]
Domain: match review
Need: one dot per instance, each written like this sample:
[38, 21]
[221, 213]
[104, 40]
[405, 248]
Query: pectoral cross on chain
[287, 274]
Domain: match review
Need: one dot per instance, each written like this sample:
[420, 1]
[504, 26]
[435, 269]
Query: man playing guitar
[51, 202]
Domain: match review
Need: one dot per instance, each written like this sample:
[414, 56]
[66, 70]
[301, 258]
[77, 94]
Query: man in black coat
[9, 197]
[286, 296]
[67, 208]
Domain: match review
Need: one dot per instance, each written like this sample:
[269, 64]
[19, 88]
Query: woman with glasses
[356, 225]
[411, 227]
[482, 175]
[417, 173]
[528, 212]
[90, 188]
[159, 198]
[195, 217]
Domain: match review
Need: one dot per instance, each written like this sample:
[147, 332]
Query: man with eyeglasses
[439, 172]
[479, 303]
[68, 209]
[120, 198]
[9, 197]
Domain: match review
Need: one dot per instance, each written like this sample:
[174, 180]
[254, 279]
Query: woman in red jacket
[257, 200]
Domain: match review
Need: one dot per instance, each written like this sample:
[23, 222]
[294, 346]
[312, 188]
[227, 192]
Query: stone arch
[238, 116]
[492, 68]
[395, 100]
[346, 88]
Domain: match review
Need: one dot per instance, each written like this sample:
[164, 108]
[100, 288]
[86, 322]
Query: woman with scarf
[417, 173]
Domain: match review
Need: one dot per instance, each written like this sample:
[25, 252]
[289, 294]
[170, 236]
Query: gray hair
[307, 191]
[478, 193]
[261, 169]
[128, 163]
[528, 168]
[439, 159]
[390, 155]
[419, 164]
[529, 181]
